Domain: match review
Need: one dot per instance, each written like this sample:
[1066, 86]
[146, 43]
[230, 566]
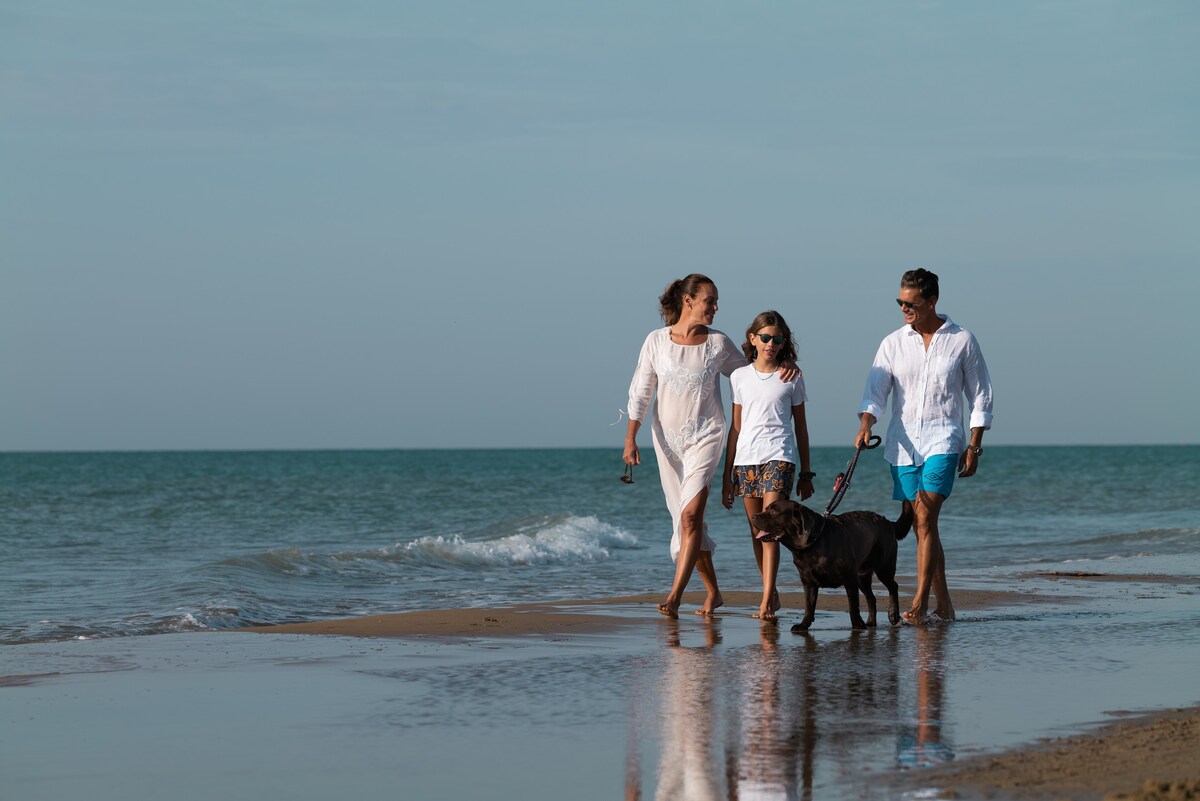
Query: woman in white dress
[682, 364]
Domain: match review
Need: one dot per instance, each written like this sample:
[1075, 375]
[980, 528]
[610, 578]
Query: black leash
[842, 482]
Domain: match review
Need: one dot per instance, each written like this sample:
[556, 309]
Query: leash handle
[842, 482]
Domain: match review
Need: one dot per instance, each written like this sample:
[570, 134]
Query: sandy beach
[1148, 756]
[589, 615]
[1023, 697]
[1144, 757]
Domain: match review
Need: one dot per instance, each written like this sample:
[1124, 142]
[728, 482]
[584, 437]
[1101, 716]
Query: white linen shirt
[927, 389]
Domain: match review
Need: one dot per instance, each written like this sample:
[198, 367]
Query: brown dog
[838, 551]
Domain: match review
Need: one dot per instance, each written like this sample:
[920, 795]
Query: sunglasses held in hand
[628, 477]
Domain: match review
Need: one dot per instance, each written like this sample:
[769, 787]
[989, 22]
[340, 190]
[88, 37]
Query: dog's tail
[904, 523]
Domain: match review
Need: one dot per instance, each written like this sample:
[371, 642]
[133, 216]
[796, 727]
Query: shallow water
[688, 709]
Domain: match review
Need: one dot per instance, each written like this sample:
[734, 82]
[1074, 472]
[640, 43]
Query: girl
[761, 454]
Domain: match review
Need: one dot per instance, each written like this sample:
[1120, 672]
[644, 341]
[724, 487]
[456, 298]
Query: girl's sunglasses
[765, 338]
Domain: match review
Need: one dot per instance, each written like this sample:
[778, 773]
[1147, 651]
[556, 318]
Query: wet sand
[1146, 757]
[1153, 757]
[588, 616]
[598, 697]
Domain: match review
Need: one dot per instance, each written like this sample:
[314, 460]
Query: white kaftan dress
[689, 418]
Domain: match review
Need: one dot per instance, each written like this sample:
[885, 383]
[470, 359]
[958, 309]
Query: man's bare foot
[915, 617]
[711, 604]
[670, 610]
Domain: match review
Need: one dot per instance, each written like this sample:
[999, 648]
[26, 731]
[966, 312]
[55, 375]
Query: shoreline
[1151, 755]
[575, 616]
[827, 711]
[1145, 755]
[584, 616]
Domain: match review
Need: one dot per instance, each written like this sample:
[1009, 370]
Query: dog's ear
[810, 525]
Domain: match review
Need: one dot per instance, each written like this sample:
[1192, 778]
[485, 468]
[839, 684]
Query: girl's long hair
[787, 353]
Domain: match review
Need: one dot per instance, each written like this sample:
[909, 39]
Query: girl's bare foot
[670, 610]
[711, 604]
[766, 614]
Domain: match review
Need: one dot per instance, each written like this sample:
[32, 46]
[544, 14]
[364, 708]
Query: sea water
[118, 571]
[111, 544]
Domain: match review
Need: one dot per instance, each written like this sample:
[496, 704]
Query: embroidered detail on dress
[682, 381]
[679, 443]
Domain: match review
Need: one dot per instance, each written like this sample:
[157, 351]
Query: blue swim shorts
[936, 475]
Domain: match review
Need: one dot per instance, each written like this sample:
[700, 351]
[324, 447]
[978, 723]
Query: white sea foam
[571, 539]
[186, 622]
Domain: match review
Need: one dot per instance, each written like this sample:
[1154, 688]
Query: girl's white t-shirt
[768, 430]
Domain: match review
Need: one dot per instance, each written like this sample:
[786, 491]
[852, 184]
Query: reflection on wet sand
[765, 760]
[922, 744]
[689, 682]
[793, 714]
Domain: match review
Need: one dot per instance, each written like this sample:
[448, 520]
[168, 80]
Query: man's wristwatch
[806, 476]
[975, 449]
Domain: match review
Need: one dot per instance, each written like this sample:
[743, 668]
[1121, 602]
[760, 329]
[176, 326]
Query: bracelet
[975, 449]
[806, 476]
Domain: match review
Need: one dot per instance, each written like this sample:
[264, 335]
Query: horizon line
[392, 449]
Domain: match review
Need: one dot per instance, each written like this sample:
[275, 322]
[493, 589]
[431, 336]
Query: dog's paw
[800, 628]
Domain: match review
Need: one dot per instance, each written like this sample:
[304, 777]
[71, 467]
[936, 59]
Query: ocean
[122, 574]
[97, 545]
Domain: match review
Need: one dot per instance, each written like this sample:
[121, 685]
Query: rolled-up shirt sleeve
[644, 383]
[977, 385]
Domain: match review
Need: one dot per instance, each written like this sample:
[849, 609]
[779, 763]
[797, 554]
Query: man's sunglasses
[628, 477]
[904, 304]
[765, 338]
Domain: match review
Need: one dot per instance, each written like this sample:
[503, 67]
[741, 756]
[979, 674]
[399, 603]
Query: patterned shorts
[755, 481]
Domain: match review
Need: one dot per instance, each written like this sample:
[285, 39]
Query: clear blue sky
[378, 224]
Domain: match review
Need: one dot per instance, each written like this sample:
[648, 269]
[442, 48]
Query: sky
[231, 225]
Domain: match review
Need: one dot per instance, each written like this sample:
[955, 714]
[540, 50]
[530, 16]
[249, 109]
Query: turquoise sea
[121, 575]
[113, 544]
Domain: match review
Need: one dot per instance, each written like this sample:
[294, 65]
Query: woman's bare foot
[711, 604]
[670, 610]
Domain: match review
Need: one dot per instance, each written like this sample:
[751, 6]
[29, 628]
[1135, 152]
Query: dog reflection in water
[839, 551]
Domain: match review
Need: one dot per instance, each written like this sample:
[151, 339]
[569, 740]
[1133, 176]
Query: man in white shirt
[929, 366]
